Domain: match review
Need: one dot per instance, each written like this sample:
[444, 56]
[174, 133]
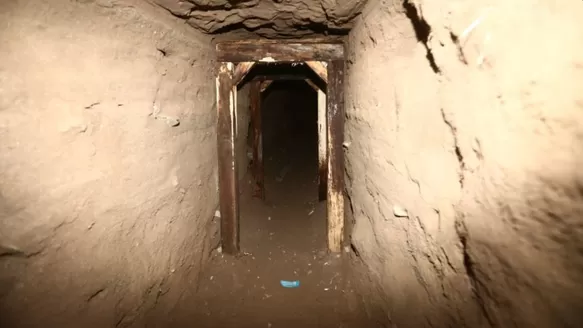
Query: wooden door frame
[327, 61]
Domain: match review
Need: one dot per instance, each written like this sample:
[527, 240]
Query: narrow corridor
[283, 238]
[455, 181]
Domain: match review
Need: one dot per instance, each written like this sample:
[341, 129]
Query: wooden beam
[335, 122]
[280, 77]
[322, 146]
[265, 85]
[281, 51]
[228, 182]
[255, 104]
[315, 87]
[319, 68]
[241, 71]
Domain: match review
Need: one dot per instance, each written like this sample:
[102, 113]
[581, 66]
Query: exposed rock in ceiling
[267, 18]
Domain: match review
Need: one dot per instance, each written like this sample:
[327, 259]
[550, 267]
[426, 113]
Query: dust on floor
[282, 238]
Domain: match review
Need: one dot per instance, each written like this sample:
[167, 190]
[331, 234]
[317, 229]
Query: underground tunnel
[289, 111]
[459, 156]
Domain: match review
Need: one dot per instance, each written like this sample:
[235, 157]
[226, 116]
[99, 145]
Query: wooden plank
[281, 51]
[319, 68]
[335, 122]
[228, 182]
[312, 40]
[241, 71]
[322, 147]
[255, 104]
[265, 85]
[313, 86]
[316, 86]
[280, 77]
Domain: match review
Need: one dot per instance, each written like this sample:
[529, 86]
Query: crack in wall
[422, 32]
[460, 226]
[460, 50]
[470, 270]
[95, 294]
[457, 150]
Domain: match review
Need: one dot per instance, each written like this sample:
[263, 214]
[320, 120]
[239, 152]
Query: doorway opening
[291, 125]
[289, 113]
[290, 209]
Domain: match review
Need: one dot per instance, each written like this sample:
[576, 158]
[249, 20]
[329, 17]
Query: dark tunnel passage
[289, 116]
[288, 121]
[290, 141]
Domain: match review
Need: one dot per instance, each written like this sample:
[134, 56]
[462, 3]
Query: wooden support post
[228, 181]
[244, 51]
[322, 147]
[241, 71]
[255, 104]
[335, 116]
[319, 68]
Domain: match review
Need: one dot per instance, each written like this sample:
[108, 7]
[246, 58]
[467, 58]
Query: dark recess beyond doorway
[290, 140]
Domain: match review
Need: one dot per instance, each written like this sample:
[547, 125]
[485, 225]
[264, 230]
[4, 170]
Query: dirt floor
[282, 238]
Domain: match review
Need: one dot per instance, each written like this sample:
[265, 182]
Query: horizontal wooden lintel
[278, 52]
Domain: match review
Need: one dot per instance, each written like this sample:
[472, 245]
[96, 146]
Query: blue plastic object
[290, 284]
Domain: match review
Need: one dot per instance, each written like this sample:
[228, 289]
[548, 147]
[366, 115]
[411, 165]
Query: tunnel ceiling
[267, 18]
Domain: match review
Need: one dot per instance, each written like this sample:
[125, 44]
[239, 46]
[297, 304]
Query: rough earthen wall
[465, 123]
[107, 162]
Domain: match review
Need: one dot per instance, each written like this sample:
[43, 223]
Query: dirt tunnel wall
[463, 157]
[464, 165]
[107, 162]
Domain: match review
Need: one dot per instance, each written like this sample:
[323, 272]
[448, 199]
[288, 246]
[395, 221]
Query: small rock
[172, 121]
[400, 212]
